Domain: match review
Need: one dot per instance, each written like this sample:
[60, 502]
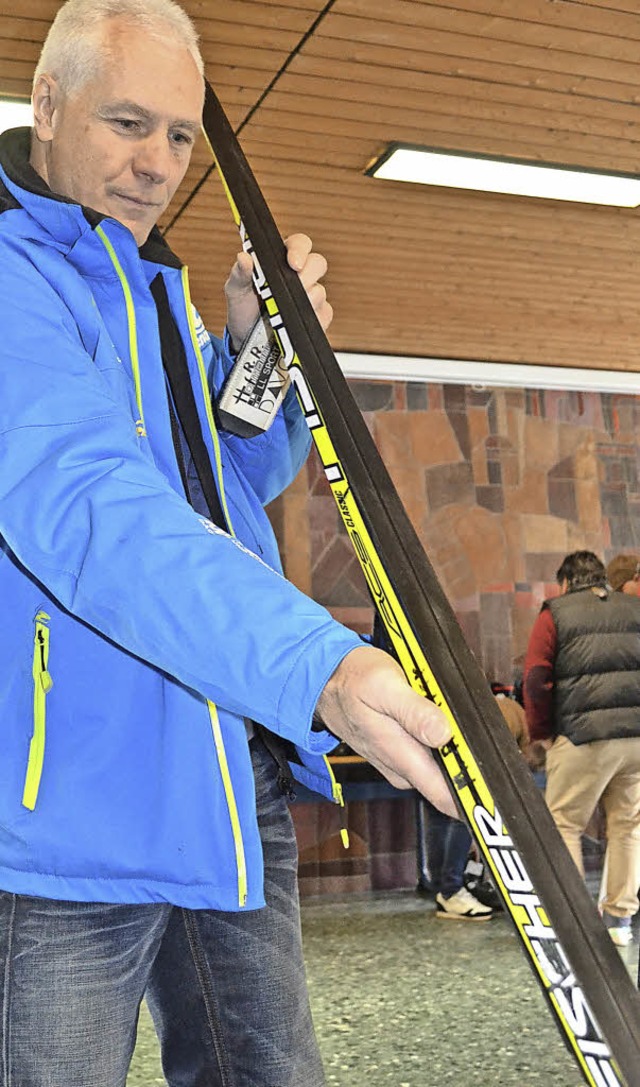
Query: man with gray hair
[162, 679]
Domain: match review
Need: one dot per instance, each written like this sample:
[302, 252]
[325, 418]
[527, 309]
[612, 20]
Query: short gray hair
[72, 46]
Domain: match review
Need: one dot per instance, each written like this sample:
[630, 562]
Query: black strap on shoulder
[184, 404]
[177, 442]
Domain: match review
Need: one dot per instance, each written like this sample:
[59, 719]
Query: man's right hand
[242, 300]
[369, 704]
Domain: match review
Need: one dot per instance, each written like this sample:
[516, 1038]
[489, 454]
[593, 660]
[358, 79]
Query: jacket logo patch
[201, 332]
[214, 530]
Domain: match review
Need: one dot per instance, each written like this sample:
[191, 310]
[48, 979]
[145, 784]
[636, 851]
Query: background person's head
[117, 98]
[623, 574]
[580, 570]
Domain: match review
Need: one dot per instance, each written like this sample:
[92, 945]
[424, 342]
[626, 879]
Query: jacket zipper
[42, 684]
[213, 713]
[141, 429]
[241, 862]
[338, 797]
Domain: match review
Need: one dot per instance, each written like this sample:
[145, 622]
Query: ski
[582, 976]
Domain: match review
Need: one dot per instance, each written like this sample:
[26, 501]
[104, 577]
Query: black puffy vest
[597, 665]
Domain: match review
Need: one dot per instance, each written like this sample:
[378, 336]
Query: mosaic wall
[499, 484]
[382, 845]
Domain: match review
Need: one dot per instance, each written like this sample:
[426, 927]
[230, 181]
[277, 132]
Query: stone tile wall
[499, 484]
[382, 846]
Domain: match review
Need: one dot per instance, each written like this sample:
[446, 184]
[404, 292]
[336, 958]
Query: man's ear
[44, 99]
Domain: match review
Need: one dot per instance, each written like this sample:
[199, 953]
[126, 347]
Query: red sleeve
[538, 677]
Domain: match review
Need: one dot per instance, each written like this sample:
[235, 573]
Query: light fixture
[15, 113]
[516, 177]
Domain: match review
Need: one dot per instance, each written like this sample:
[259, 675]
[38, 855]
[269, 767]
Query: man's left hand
[242, 300]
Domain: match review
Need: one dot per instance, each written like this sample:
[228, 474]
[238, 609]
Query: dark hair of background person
[581, 569]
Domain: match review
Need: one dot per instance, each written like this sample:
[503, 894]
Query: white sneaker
[619, 928]
[462, 906]
[622, 937]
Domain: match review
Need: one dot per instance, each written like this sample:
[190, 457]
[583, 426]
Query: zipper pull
[339, 799]
[46, 682]
[285, 785]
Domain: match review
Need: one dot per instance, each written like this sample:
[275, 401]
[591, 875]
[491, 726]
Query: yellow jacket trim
[339, 799]
[231, 804]
[141, 429]
[42, 684]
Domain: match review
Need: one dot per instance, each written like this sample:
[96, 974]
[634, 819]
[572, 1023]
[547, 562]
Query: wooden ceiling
[319, 88]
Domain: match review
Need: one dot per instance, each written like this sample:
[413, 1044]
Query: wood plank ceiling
[319, 88]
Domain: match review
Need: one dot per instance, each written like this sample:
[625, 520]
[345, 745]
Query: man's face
[121, 144]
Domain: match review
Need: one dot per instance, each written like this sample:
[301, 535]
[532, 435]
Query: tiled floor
[403, 999]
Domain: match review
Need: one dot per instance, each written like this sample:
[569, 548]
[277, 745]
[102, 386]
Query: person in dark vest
[582, 701]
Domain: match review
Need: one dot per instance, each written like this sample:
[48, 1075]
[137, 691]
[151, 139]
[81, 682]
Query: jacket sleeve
[86, 512]
[538, 677]
[270, 461]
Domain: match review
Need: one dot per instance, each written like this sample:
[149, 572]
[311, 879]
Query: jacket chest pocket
[42, 684]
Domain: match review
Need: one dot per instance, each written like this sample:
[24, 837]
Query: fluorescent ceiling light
[15, 113]
[458, 170]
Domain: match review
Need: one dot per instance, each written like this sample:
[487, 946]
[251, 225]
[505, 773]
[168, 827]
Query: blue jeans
[227, 991]
[448, 844]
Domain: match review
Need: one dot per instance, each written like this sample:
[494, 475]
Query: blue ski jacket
[135, 635]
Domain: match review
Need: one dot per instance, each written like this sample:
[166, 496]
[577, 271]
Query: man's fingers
[323, 309]
[245, 264]
[317, 295]
[315, 267]
[311, 267]
[420, 717]
[241, 275]
[416, 764]
[425, 723]
[299, 247]
[432, 726]
[392, 777]
[409, 765]
[431, 782]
